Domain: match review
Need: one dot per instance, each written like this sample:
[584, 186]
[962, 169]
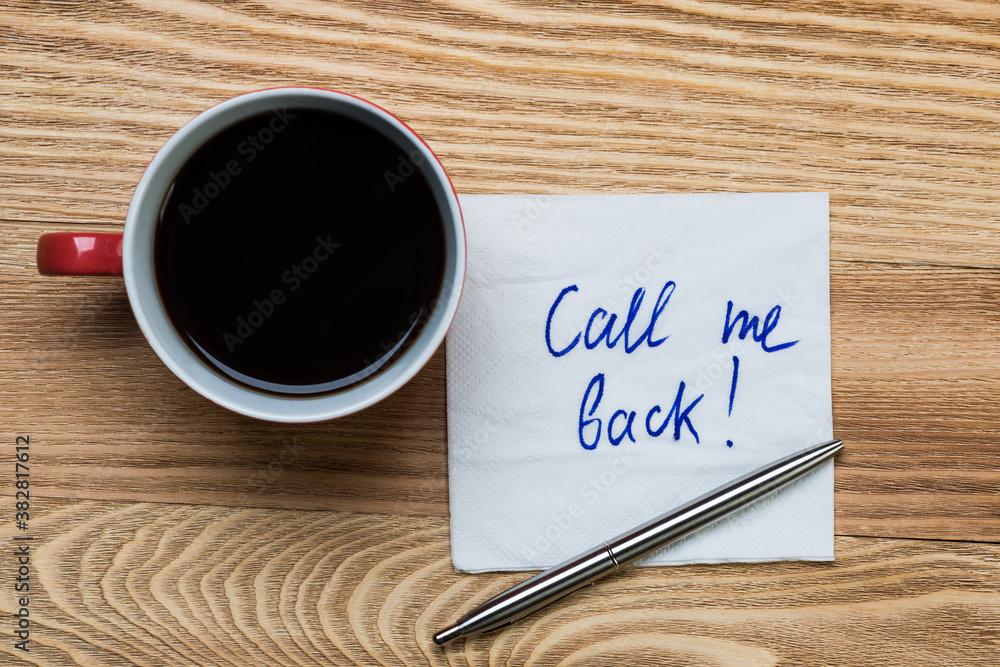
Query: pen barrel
[717, 504]
[557, 582]
[539, 591]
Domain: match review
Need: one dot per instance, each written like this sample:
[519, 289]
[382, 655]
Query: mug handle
[79, 254]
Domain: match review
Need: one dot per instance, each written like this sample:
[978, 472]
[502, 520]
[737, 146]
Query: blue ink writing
[628, 427]
[599, 381]
[749, 325]
[680, 417]
[548, 324]
[732, 389]
[620, 425]
[600, 315]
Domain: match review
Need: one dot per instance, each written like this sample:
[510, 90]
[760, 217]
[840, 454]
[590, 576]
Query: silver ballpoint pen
[557, 582]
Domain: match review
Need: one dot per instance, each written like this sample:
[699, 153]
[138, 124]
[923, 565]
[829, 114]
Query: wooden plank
[889, 107]
[916, 360]
[153, 584]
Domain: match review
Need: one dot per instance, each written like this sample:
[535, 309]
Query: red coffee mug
[80, 254]
[131, 255]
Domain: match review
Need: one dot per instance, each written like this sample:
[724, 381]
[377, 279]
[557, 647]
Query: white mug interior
[140, 279]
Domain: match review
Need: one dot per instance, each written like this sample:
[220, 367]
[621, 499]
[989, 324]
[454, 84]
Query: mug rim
[175, 353]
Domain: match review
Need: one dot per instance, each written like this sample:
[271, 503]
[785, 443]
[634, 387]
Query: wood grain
[892, 107]
[154, 584]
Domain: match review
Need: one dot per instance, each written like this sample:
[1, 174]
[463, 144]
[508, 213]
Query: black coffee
[299, 251]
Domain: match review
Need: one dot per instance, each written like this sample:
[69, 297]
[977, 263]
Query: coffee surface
[299, 251]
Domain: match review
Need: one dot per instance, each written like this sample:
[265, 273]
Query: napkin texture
[527, 491]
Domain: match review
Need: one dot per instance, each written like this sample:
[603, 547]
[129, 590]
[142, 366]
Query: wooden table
[167, 531]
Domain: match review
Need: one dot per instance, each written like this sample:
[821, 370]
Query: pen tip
[447, 635]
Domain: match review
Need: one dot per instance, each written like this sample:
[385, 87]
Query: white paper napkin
[528, 487]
